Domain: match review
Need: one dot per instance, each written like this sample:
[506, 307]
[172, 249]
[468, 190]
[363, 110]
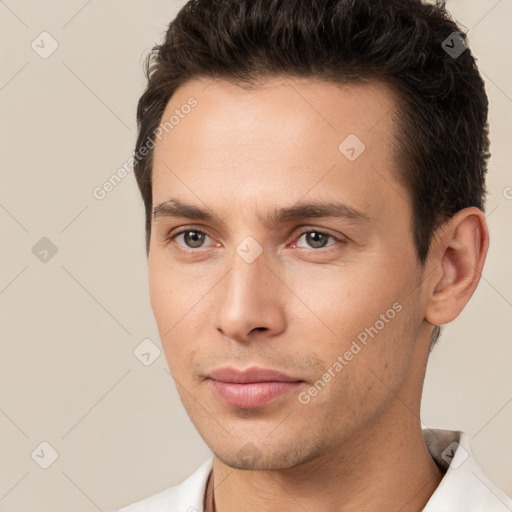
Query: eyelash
[172, 237]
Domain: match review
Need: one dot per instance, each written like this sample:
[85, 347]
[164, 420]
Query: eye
[192, 238]
[195, 239]
[317, 239]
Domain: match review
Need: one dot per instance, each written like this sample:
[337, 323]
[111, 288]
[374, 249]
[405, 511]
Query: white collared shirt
[464, 487]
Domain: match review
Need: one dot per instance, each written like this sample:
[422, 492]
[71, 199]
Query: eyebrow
[312, 209]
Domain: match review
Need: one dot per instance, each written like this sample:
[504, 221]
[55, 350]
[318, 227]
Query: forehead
[283, 138]
[289, 104]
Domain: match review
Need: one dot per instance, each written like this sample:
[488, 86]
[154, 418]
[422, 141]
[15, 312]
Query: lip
[249, 375]
[250, 388]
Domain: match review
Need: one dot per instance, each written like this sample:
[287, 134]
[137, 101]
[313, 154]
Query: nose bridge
[247, 297]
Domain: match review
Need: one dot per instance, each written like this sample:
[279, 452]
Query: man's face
[331, 301]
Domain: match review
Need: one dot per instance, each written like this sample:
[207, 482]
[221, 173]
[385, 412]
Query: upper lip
[253, 374]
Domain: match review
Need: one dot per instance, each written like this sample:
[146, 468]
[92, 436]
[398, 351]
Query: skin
[357, 444]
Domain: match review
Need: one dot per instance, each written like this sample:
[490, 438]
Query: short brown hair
[442, 134]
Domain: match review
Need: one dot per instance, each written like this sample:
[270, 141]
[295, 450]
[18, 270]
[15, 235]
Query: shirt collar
[464, 486]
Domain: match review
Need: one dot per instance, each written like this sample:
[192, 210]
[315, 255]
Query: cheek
[175, 293]
[343, 299]
[370, 374]
[364, 313]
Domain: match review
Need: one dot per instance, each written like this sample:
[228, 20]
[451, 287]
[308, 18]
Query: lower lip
[252, 394]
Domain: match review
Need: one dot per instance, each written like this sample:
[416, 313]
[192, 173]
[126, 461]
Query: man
[313, 174]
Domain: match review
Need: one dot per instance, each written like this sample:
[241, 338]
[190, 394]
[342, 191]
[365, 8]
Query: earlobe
[459, 253]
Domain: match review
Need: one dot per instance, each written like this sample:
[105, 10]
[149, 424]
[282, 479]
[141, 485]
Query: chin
[268, 458]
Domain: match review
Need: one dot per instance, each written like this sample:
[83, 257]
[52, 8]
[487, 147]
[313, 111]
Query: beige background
[69, 326]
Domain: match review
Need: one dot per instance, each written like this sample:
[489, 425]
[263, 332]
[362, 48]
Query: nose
[251, 299]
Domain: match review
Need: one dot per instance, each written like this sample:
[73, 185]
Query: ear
[455, 262]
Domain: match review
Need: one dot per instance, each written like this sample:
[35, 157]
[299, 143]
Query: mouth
[251, 388]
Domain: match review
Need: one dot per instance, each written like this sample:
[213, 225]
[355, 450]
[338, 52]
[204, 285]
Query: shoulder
[185, 497]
